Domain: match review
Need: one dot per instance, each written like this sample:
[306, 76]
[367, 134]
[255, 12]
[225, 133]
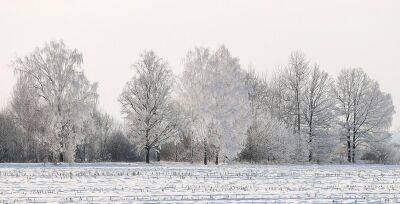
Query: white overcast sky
[111, 34]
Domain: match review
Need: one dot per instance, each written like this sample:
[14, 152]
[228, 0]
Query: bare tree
[287, 95]
[364, 110]
[279, 100]
[146, 102]
[296, 75]
[317, 107]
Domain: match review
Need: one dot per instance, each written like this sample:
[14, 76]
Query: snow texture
[181, 182]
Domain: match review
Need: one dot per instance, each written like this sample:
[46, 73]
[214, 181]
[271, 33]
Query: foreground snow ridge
[182, 182]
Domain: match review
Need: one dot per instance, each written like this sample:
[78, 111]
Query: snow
[184, 182]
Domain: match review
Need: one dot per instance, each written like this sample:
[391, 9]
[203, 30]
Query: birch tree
[28, 116]
[146, 103]
[63, 92]
[217, 96]
[192, 95]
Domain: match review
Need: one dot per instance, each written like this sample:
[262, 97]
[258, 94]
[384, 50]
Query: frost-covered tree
[279, 101]
[317, 109]
[104, 125]
[216, 96]
[268, 138]
[147, 105]
[28, 116]
[258, 93]
[64, 95]
[97, 130]
[295, 79]
[12, 142]
[286, 98]
[382, 151]
[364, 110]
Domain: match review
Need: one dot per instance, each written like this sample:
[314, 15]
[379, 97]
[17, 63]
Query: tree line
[214, 111]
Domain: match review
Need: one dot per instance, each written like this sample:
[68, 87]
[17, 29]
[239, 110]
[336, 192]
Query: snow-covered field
[174, 182]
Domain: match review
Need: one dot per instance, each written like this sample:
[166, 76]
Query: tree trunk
[176, 153]
[147, 147]
[61, 157]
[348, 139]
[36, 151]
[158, 155]
[354, 131]
[348, 149]
[84, 152]
[298, 111]
[354, 135]
[251, 152]
[147, 155]
[348, 146]
[216, 158]
[205, 153]
[310, 133]
[191, 154]
[205, 158]
[310, 153]
[354, 148]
